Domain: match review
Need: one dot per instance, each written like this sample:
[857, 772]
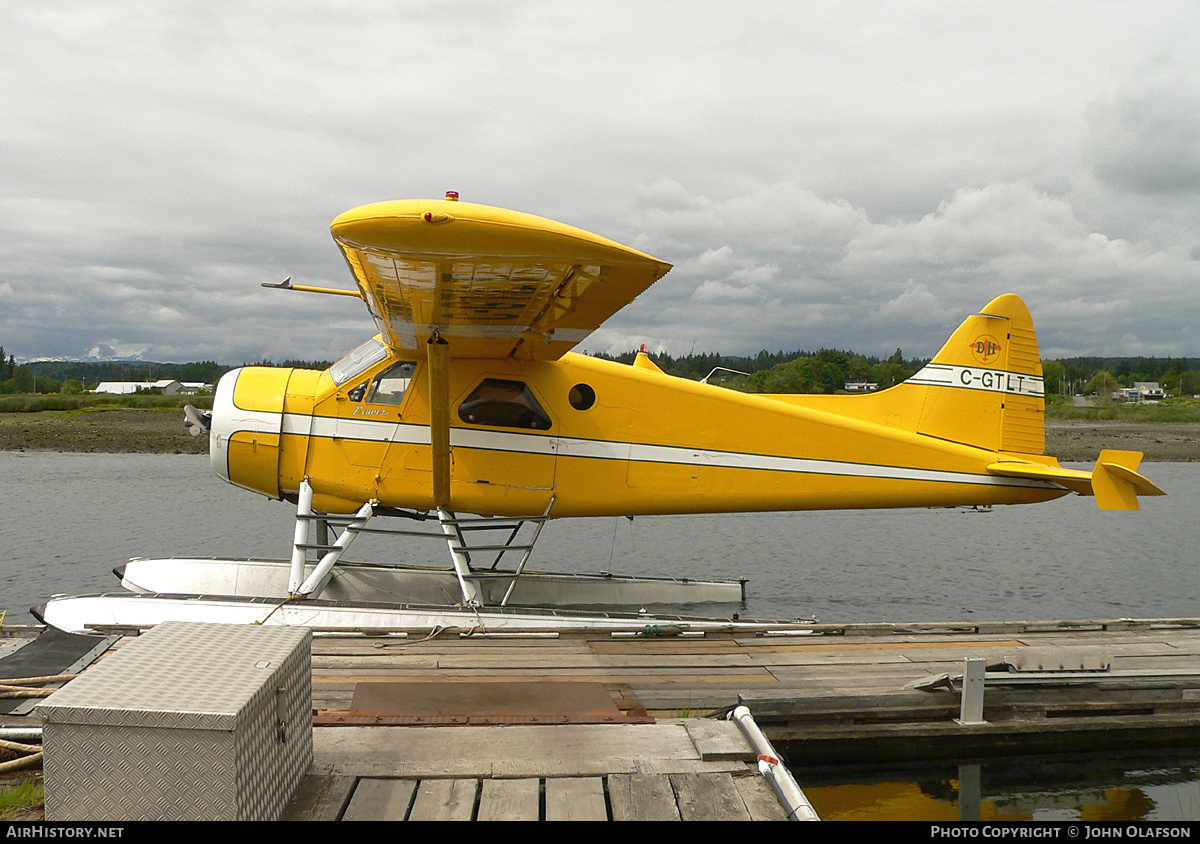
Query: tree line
[829, 370]
[822, 371]
[74, 377]
[1101, 376]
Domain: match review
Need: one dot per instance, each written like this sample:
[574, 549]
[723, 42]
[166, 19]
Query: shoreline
[123, 431]
[161, 431]
[1082, 440]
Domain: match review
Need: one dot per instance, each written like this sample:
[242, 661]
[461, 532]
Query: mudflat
[163, 431]
[1078, 440]
[110, 431]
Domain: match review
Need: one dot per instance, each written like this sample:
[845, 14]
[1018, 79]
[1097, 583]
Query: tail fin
[985, 390]
[991, 380]
[1115, 482]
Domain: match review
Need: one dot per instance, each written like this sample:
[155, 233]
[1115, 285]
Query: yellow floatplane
[470, 408]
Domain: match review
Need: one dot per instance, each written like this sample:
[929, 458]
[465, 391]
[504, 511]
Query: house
[1140, 391]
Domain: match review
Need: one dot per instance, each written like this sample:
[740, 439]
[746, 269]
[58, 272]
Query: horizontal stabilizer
[1076, 481]
[1114, 481]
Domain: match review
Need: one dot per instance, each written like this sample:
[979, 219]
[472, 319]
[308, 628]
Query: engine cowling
[247, 420]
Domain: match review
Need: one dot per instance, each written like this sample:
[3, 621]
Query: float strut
[303, 512]
[528, 550]
[312, 587]
[458, 556]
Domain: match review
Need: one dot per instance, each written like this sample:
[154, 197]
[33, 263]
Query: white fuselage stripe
[365, 430]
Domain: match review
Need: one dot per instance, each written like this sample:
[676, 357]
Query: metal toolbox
[187, 722]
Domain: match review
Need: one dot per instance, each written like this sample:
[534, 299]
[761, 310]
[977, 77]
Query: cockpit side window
[505, 404]
[392, 383]
[358, 361]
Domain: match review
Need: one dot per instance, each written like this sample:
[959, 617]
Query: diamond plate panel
[188, 722]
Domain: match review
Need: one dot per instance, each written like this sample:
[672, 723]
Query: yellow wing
[490, 282]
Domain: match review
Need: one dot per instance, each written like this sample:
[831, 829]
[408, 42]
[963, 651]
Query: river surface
[67, 519]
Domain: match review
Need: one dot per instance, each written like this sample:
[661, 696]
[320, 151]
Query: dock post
[969, 793]
[971, 709]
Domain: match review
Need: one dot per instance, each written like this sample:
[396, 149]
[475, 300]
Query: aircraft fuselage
[601, 438]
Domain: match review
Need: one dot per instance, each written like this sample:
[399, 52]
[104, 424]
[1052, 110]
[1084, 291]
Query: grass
[1169, 410]
[29, 403]
[23, 797]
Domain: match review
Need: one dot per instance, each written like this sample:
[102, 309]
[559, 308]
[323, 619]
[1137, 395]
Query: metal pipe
[789, 793]
[21, 734]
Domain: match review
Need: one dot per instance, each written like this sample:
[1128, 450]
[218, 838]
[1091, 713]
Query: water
[1031, 788]
[67, 519]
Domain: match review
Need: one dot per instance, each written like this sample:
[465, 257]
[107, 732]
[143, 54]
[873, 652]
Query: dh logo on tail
[985, 349]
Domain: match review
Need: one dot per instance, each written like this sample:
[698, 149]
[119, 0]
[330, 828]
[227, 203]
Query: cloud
[840, 280]
[852, 175]
[1145, 136]
[917, 305]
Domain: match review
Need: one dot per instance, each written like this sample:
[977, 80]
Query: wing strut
[439, 419]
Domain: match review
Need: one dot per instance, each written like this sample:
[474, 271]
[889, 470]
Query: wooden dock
[671, 770]
[598, 725]
[835, 694]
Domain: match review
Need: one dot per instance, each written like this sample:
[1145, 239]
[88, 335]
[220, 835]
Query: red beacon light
[435, 217]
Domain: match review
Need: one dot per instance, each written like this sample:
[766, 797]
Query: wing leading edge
[493, 283]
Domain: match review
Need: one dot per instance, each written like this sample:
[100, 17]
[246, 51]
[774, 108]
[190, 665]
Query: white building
[166, 386]
[1140, 391]
[1149, 390]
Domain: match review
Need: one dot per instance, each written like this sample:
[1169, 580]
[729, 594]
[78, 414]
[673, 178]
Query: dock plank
[380, 800]
[444, 800]
[642, 797]
[708, 798]
[320, 797]
[759, 799]
[718, 739]
[509, 800]
[575, 799]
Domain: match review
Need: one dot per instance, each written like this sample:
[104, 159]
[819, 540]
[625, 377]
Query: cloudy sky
[856, 175]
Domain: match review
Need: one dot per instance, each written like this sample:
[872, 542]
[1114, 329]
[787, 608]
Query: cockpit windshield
[358, 361]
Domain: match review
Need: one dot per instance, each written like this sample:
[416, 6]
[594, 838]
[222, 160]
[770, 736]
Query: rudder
[984, 388]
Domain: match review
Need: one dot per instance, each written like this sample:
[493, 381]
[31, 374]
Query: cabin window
[581, 397]
[392, 383]
[506, 404]
[358, 361]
